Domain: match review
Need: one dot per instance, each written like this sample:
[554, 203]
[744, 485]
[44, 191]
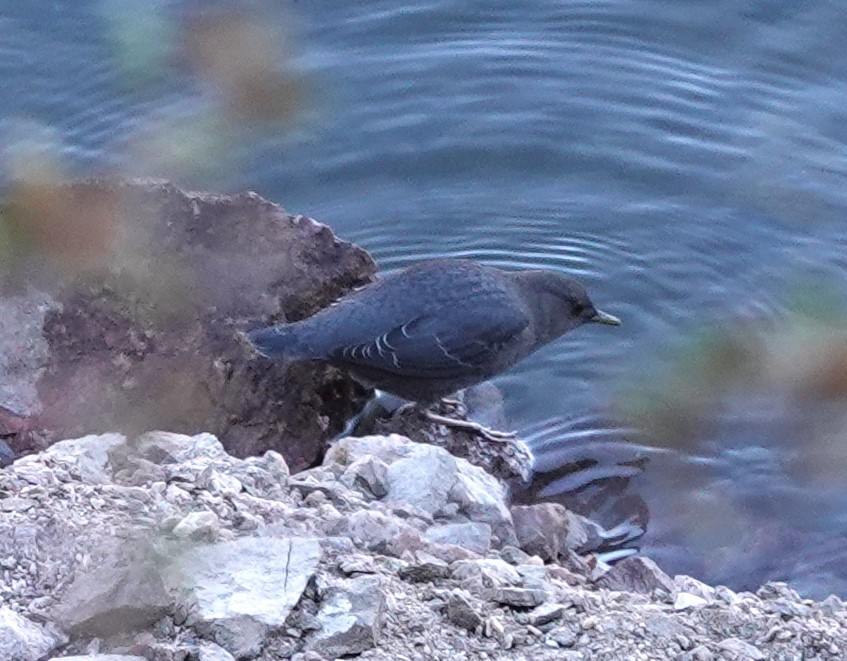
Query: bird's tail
[276, 341]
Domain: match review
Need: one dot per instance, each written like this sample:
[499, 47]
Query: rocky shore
[163, 547]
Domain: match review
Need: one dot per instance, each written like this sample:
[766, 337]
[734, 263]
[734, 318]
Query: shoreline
[164, 547]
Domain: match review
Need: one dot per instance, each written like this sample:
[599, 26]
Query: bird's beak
[604, 318]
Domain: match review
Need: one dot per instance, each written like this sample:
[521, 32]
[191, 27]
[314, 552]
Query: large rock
[636, 574]
[24, 640]
[509, 460]
[481, 576]
[238, 591]
[125, 308]
[86, 458]
[429, 478]
[549, 530]
[473, 536]
[378, 532]
[121, 592]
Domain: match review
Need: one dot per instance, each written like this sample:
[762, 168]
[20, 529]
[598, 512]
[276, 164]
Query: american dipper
[436, 327]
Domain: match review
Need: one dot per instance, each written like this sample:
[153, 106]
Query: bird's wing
[422, 347]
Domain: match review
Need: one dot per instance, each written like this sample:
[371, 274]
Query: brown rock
[635, 574]
[461, 612]
[541, 529]
[140, 332]
[123, 592]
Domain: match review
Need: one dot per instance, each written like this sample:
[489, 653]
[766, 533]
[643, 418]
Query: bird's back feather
[276, 341]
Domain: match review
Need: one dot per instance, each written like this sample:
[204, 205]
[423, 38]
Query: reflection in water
[586, 466]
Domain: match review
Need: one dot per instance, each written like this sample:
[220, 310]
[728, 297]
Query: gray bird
[437, 327]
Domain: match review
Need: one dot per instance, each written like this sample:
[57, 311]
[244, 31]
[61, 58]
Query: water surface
[686, 159]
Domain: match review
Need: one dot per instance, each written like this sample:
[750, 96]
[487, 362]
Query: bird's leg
[401, 410]
[470, 426]
[458, 407]
[456, 423]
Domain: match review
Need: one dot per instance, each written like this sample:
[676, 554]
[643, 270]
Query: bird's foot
[472, 427]
[455, 406]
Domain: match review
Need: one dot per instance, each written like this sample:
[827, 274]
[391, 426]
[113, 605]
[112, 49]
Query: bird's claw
[471, 427]
[455, 406]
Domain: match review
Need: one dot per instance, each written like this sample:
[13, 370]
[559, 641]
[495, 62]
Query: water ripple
[687, 163]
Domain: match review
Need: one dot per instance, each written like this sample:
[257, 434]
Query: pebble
[563, 637]
[686, 600]
[545, 614]
[518, 597]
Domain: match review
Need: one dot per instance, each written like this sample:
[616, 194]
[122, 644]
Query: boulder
[429, 478]
[509, 459]
[635, 574]
[238, 591]
[550, 531]
[473, 536]
[24, 640]
[122, 592]
[123, 313]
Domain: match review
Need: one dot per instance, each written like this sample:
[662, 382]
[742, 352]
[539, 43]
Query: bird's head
[559, 303]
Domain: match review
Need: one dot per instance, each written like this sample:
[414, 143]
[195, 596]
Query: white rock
[487, 573]
[22, 639]
[198, 525]
[162, 446]
[221, 483]
[351, 618]
[372, 530]
[741, 649]
[258, 578]
[86, 457]
[480, 495]
[683, 583]
[473, 535]
[99, 657]
[369, 473]
[122, 592]
[430, 479]
[212, 652]
[685, 600]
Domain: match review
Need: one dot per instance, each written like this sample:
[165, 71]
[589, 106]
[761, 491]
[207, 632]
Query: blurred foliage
[237, 62]
[238, 57]
[143, 39]
[200, 145]
[57, 235]
[800, 360]
[48, 231]
[755, 412]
